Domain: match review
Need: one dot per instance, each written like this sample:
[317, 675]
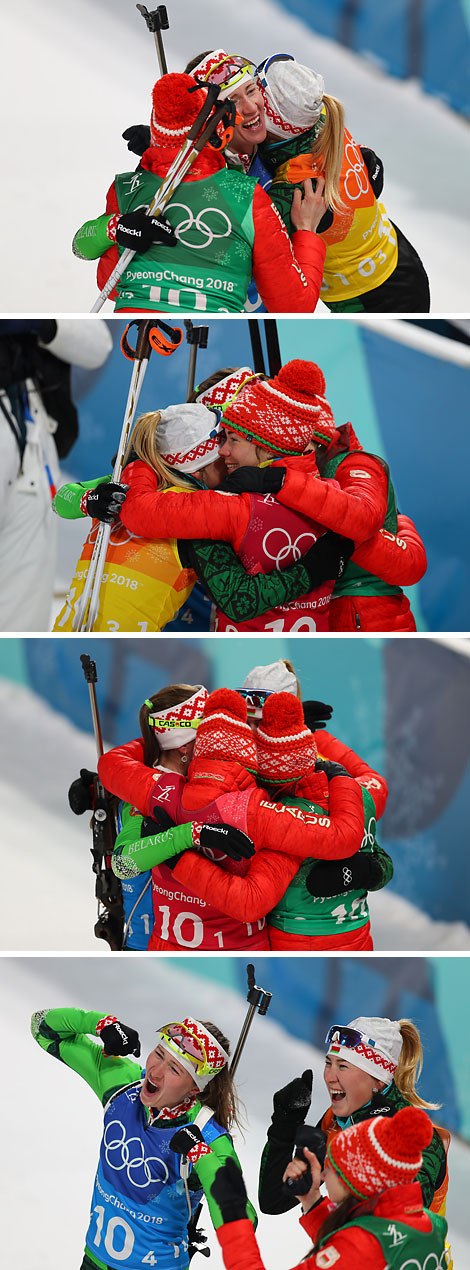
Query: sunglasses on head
[350, 1037]
[229, 70]
[184, 1045]
[255, 699]
[260, 71]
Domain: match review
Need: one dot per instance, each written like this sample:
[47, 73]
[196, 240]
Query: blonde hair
[410, 1063]
[144, 443]
[289, 667]
[329, 146]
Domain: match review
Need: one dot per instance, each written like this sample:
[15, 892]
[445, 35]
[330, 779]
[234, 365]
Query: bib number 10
[118, 1232]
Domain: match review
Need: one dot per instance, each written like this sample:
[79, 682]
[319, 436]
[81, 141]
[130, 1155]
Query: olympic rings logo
[431, 1262]
[356, 180]
[118, 1156]
[369, 833]
[288, 550]
[201, 225]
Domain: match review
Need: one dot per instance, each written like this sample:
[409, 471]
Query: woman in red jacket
[355, 498]
[374, 1217]
[220, 227]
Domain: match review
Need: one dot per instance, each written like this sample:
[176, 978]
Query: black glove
[81, 792]
[233, 842]
[331, 769]
[119, 1040]
[360, 872]
[291, 1104]
[316, 714]
[375, 169]
[139, 231]
[137, 137]
[315, 1140]
[229, 1191]
[254, 480]
[186, 1138]
[105, 501]
[327, 558]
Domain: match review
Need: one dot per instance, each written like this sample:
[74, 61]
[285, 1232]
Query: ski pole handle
[259, 999]
[89, 670]
[157, 21]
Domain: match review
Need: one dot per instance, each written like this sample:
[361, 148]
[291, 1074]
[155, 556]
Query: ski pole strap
[164, 341]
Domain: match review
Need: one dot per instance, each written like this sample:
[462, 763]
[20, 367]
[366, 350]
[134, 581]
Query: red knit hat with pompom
[286, 412]
[174, 109]
[286, 747]
[224, 732]
[381, 1152]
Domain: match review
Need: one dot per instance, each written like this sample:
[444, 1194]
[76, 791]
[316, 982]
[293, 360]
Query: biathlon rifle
[108, 890]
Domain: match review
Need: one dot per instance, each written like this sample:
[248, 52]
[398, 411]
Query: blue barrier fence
[428, 40]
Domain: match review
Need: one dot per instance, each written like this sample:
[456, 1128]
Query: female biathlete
[373, 1219]
[355, 498]
[148, 578]
[371, 1069]
[291, 129]
[220, 227]
[168, 722]
[144, 1193]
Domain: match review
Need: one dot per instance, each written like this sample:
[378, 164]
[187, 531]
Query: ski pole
[108, 890]
[165, 341]
[157, 21]
[256, 346]
[272, 342]
[191, 148]
[90, 594]
[259, 999]
[196, 337]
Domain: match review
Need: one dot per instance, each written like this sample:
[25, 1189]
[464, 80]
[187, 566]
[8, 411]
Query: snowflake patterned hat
[381, 1152]
[286, 412]
[292, 95]
[286, 747]
[374, 1045]
[195, 1048]
[187, 436]
[177, 724]
[224, 732]
[228, 70]
[174, 109]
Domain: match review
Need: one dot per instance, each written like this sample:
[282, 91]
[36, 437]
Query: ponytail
[329, 145]
[409, 1067]
[220, 1094]
[143, 442]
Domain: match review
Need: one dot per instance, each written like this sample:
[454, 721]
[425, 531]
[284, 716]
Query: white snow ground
[46, 1185]
[74, 76]
[46, 869]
